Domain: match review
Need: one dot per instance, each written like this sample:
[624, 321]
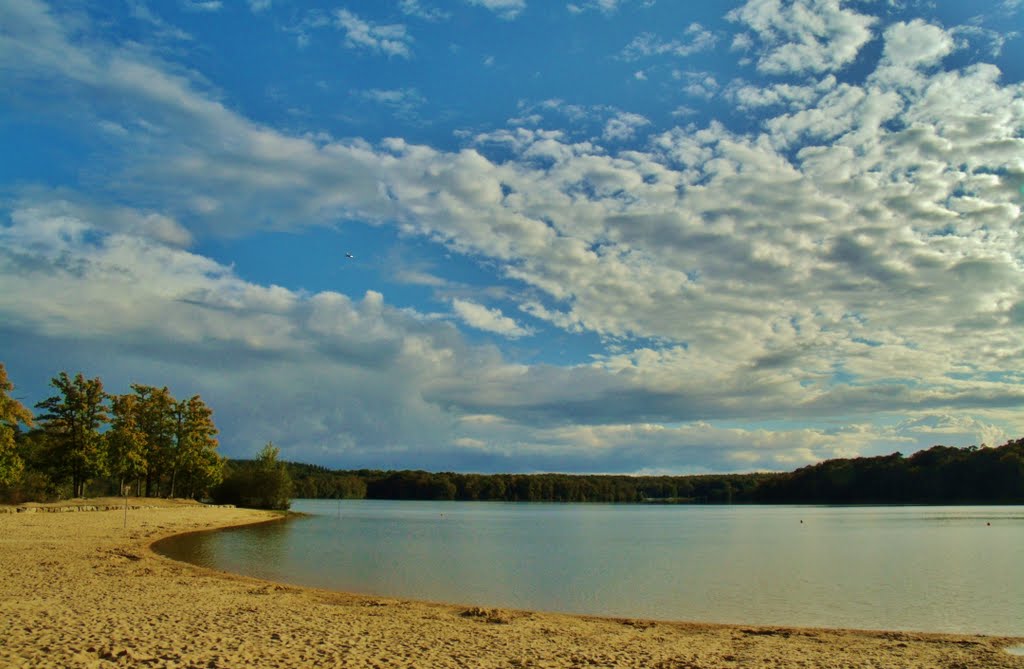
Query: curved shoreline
[78, 590]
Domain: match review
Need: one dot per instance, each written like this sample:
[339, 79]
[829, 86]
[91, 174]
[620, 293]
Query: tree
[155, 409]
[126, 442]
[271, 484]
[195, 462]
[12, 412]
[261, 484]
[72, 420]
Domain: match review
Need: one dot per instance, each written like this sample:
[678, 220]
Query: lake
[952, 569]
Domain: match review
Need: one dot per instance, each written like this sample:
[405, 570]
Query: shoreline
[78, 590]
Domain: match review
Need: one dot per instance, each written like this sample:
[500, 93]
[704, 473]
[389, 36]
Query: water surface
[954, 569]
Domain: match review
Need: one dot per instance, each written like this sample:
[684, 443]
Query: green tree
[156, 409]
[271, 484]
[126, 442]
[72, 419]
[12, 412]
[195, 463]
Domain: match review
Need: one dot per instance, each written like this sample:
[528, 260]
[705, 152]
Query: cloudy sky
[596, 236]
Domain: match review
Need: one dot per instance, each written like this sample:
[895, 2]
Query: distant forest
[86, 441]
[939, 475]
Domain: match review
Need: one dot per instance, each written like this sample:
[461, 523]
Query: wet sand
[80, 590]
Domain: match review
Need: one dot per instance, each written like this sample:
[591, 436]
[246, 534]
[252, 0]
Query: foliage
[938, 475]
[318, 482]
[126, 442]
[106, 442]
[260, 484]
[12, 414]
[72, 419]
[195, 461]
[155, 409]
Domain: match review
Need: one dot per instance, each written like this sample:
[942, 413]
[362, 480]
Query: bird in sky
[349, 255]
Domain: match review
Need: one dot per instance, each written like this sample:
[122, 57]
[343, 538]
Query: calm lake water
[955, 569]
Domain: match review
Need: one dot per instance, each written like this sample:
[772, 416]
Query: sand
[79, 590]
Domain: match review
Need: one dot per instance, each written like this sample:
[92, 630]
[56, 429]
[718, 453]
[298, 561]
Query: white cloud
[697, 84]
[995, 40]
[203, 5]
[696, 39]
[417, 9]
[623, 126]
[603, 6]
[392, 39]
[113, 219]
[505, 9]
[393, 97]
[915, 44]
[799, 36]
[793, 96]
[742, 42]
[489, 320]
[962, 428]
[857, 255]
[164, 30]
[182, 319]
[404, 101]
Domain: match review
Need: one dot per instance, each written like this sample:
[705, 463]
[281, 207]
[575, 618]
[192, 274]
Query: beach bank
[85, 590]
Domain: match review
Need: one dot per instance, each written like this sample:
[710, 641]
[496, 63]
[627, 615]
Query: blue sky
[597, 236]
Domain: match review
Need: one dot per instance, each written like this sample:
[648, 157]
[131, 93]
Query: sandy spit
[80, 590]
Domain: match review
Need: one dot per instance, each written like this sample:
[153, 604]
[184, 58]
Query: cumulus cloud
[603, 6]
[959, 427]
[417, 9]
[802, 36]
[392, 40]
[489, 320]
[505, 9]
[623, 126]
[402, 101]
[793, 96]
[856, 254]
[695, 39]
[185, 320]
[697, 84]
[49, 204]
[915, 44]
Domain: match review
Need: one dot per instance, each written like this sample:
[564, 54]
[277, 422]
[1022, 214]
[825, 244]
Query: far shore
[84, 589]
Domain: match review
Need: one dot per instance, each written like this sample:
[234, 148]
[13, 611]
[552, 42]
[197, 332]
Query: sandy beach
[80, 590]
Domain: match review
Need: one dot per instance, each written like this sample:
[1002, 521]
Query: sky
[605, 236]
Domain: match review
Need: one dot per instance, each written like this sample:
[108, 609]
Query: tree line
[938, 475]
[85, 440]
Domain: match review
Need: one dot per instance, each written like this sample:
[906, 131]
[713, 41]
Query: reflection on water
[926, 568]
